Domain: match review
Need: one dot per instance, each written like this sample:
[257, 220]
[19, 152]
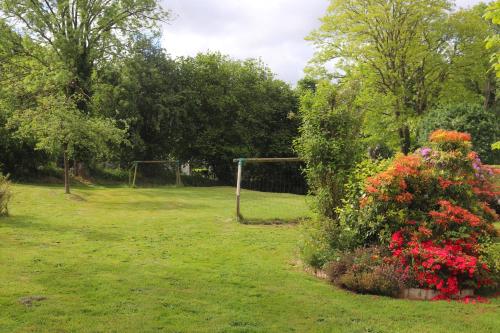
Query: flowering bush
[432, 209]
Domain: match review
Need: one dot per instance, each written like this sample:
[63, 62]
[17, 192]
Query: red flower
[449, 214]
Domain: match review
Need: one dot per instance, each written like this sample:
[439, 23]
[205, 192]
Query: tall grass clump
[5, 195]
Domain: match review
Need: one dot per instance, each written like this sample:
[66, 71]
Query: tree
[396, 45]
[236, 108]
[205, 110]
[481, 124]
[493, 42]
[144, 90]
[81, 33]
[58, 127]
[18, 157]
[470, 78]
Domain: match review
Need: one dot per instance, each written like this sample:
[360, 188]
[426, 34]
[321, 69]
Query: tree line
[87, 81]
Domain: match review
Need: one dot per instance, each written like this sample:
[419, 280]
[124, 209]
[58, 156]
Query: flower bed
[432, 210]
[428, 217]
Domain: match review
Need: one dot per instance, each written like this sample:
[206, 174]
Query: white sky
[272, 30]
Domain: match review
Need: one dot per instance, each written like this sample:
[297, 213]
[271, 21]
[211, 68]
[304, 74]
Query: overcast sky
[272, 30]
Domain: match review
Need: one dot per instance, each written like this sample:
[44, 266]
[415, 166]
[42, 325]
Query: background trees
[207, 109]
[406, 57]
[66, 41]
[80, 34]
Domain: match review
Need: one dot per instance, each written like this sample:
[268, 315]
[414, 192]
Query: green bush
[5, 195]
[329, 143]
[365, 270]
[491, 256]
[481, 124]
[323, 237]
[317, 243]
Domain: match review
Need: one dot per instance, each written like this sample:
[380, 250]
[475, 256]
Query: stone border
[408, 293]
[429, 294]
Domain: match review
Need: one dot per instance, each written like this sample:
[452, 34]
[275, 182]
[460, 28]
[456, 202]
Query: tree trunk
[404, 138]
[490, 92]
[66, 172]
[403, 131]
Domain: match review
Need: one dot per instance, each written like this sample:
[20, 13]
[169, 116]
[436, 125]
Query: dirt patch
[31, 300]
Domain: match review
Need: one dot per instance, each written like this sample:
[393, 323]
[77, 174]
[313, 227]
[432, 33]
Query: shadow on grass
[33, 225]
[148, 206]
[272, 221]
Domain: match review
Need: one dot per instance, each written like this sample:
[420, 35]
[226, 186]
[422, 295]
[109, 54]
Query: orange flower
[449, 136]
[404, 197]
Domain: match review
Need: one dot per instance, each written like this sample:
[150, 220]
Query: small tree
[58, 127]
[329, 143]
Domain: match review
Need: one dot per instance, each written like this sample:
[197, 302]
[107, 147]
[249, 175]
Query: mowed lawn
[174, 260]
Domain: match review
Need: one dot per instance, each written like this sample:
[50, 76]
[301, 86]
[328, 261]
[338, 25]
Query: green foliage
[481, 124]
[404, 58]
[490, 254]
[323, 238]
[318, 241]
[57, 126]
[493, 41]
[329, 143]
[81, 34]
[469, 78]
[381, 42]
[207, 109]
[5, 195]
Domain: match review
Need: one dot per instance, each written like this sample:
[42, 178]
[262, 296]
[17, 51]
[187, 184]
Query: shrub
[323, 237]
[471, 118]
[367, 270]
[490, 254]
[329, 143]
[432, 209]
[5, 194]
[317, 245]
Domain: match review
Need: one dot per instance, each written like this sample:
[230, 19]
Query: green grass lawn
[174, 260]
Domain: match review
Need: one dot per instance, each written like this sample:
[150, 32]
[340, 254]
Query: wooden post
[135, 174]
[238, 189]
[178, 180]
[66, 171]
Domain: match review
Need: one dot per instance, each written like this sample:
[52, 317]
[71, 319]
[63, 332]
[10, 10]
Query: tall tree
[470, 78]
[81, 33]
[144, 90]
[493, 43]
[397, 44]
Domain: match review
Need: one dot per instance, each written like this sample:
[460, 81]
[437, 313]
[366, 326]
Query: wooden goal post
[242, 161]
[132, 175]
